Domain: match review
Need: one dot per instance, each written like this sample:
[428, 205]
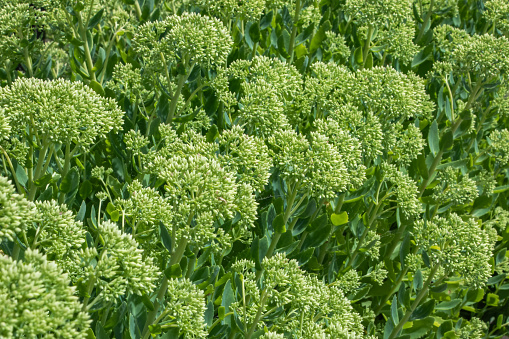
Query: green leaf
[96, 87]
[358, 55]
[228, 297]
[21, 175]
[319, 37]
[259, 249]
[447, 305]
[317, 237]
[420, 57]
[165, 237]
[433, 141]
[147, 302]
[81, 213]
[420, 327]
[394, 310]
[279, 224]
[95, 19]
[254, 32]
[283, 44]
[492, 299]
[303, 257]
[173, 272]
[339, 219]
[112, 211]
[71, 181]
[266, 21]
[447, 141]
[417, 283]
[423, 310]
[445, 327]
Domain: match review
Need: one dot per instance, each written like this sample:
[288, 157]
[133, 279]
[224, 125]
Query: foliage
[254, 169]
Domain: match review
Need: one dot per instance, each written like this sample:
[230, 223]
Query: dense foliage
[254, 169]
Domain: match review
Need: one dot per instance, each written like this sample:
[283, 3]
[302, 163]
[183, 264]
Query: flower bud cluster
[36, 300]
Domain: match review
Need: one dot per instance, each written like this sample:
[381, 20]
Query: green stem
[174, 100]
[26, 55]
[298, 6]
[14, 177]
[418, 298]
[88, 56]
[258, 313]
[38, 170]
[137, 9]
[426, 21]
[367, 45]
[175, 259]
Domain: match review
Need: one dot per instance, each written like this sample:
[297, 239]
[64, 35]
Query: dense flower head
[59, 235]
[186, 308]
[316, 166]
[499, 142]
[308, 301]
[497, 12]
[59, 110]
[405, 189]
[189, 37]
[404, 144]
[16, 213]
[261, 110]
[378, 12]
[480, 55]
[246, 10]
[454, 189]
[36, 300]
[461, 247]
[18, 21]
[245, 155]
[119, 267]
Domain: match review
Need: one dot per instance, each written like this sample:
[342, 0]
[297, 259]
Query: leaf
[173, 272]
[227, 299]
[433, 141]
[339, 219]
[417, 283]
[319, 37]
[447, 305]
[165, 237]
[259, 249]
[96, 87]
[303, 257]
[423, 310]
[404, 249]
[420, 327]
[420, 57]
[71, 181]
[254, 32]
[81, 213]
[358, 55]
[95, 19]
[279, 224]
[266, 21]
[317, 238]
[492, 299]
[21, 175]
[394, 310]
[283, 44]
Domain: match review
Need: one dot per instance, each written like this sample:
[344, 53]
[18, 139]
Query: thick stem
[426, 21]
[175, 259]
[298, 6]
[416, 302]
[174, 100]
[258, 314]
[11, 167]
[88, 56]
[367, 45]
[38, 170]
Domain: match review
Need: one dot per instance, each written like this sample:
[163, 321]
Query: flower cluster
[59, 111]
[454, 190]
[458, 246]
[36, 300]
[119, 268]
[16, 213]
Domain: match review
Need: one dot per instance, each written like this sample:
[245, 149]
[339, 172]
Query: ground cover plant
[254, 169]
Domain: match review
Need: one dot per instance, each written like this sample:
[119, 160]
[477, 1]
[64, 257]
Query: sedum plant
[254, 169]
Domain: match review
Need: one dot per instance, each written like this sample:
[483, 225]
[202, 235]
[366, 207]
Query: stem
[28, 60]
[431, 170]
[173, 104]
[258, 314]
[137, 9]
[367, 45]
[426, 21]
[175, 259]
[38, 170]
[275, 239]
[15, 178]
[298, 6]
[416, 302]
[88, 57]
[67, 164]
[255, 47]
